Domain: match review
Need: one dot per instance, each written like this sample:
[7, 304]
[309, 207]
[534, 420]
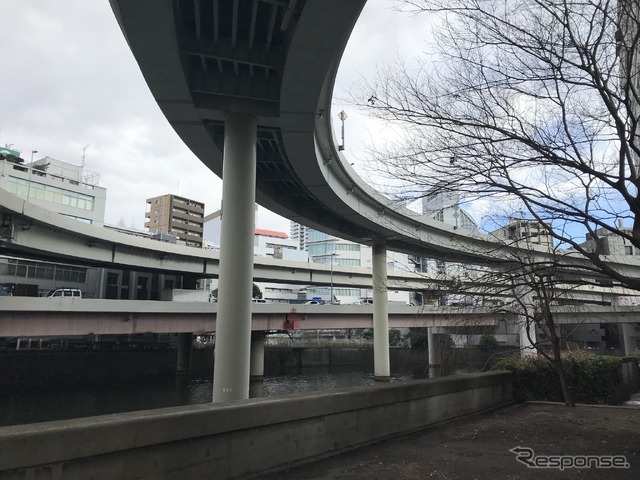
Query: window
[50, 193]
[316, 236]
[319, 249]
[79, 219]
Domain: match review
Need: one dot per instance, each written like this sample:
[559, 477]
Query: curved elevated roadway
[228, 74]
[277, 60]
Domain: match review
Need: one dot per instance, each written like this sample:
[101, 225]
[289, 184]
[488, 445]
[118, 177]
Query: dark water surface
[57, 402]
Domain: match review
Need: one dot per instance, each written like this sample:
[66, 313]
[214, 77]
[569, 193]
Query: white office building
[445, 207]
[61, 187]
[68, 189]
[277, 245]
[333, 251]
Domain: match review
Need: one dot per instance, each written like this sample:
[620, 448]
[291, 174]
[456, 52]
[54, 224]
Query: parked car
[364, 301]
[69, 293]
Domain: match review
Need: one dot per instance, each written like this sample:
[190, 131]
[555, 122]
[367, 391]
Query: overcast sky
[69, 81]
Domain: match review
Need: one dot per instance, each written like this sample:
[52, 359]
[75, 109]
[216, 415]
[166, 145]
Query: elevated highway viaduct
[248, 86]
[24, 317]
[31, 231]
[39, 317]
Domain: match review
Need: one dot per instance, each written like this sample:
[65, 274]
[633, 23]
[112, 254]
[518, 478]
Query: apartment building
[300, 234]
[180, 216]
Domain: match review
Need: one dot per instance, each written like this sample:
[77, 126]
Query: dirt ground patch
[478, 447]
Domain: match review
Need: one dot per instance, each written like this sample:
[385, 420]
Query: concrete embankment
[240, 438]
[55, 367]
[40, 368]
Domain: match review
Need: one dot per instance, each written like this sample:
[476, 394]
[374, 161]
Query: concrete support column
[434, 346]
[526, 326]
[102, 283]
[185, 347]
[629, 339]
[527, 338]
[381, 364]
[133, 285]
[233, 324]
[257, 356]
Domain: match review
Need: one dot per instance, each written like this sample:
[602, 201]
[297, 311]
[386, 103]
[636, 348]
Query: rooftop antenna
[84, 153]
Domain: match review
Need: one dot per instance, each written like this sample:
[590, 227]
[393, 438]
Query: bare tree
[525, 290]
[535, 290]
[527, 103]
[530, 106]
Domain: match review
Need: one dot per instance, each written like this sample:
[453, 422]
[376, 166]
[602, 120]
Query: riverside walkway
[478, 447]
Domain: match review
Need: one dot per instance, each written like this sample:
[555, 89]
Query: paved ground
[478, 447]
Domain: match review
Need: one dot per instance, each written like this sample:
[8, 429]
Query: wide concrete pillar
[434, 346]
[527, 332]
[233, 324]
[381, 364]
[525, 325]
[629, 339]
[185, 348]
[257, 356]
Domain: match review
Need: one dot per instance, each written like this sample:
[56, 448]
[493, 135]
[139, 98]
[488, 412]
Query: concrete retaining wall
[240, 438]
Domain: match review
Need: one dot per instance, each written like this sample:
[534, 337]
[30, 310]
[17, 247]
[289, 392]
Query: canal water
[30, 405]
[41, 386]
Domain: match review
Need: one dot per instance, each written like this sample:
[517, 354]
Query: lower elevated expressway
[34, 232]
[32, 317]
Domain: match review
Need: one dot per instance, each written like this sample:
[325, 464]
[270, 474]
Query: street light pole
[342, 116]
[331, 289]
[331, 255]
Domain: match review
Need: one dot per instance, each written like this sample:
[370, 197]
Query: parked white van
[70, 293]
